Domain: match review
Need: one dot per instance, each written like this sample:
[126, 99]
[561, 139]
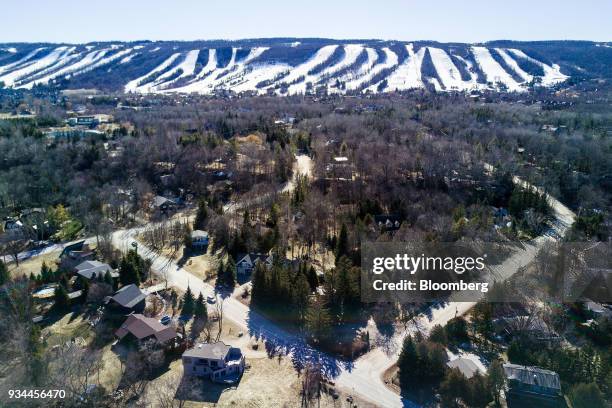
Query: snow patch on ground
[448, 73]
[552, 74]
[48, 60]
[133, 86]
[408, 74]
[89, 59]
[351, 53]
[494, 73]
[511, 62]
[23, 60]
[355, 76]
[187, 66]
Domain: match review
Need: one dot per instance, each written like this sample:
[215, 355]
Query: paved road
[364, 376]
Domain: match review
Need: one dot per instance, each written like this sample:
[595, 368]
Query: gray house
[532, 386]
[128, 299]
[217, 361]
[92, 269]
[245, 263]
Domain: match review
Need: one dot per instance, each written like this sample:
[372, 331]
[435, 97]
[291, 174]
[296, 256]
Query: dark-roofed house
[92, 269]
[128, 299]
[74, 254]
[532, 387]
[144, 328]
[245, 263]
[217, 361]
[163, 204]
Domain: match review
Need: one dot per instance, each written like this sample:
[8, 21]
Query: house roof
[142, 327]
[77, 246]
[211, 351]
[465, 365]
[129, 296]
[532, 376]
[253, 258]
[199, 234]
[91, 269]
[158, 201]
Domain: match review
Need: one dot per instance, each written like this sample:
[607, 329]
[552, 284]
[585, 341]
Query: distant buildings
[388, 222]
[532, 387]
[217, 361]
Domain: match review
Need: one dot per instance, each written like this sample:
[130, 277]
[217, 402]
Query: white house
[217, 361]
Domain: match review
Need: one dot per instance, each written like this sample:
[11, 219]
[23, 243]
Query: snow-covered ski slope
[280, 68]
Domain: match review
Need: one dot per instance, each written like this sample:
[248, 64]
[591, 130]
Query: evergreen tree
[201, 216]
[438, 335]
[496, 380]
[479, 394]
[46, 274]
[347, 281]
[313, 279]
[188, 302]
[300, 295]
[62, 302]
[4, 273]
[408, 358]
[131, 268]
[200, 310]
[454, 388]
[259, 287]
[587, 396]
[482, 319]
[318, 319]
[108, 279]
[229, 274]
[456, 329]
[342, 246]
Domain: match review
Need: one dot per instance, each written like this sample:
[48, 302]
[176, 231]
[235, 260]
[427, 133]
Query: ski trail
[133, 86]
[494, 73]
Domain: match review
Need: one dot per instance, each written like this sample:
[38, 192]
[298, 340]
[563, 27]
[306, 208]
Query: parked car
[211, 299]
[165, 320]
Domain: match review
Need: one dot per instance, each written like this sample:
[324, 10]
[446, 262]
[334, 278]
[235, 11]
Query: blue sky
[441, 20]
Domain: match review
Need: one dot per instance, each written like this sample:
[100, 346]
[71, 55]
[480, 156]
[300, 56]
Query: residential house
[199, 239]
[533, 327]
[388, 222]
[12, 225]
[143, 328]
[532, 387]
[163, 205]
[74, 254]
[245, 263]
[92, 270]
[217, 361]
[128, 299]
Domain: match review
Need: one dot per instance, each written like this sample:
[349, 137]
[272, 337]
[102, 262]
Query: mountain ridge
[287, 66]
